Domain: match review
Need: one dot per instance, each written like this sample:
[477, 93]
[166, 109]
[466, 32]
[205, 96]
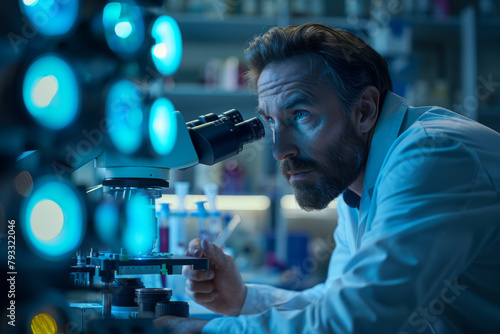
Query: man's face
[319, 151]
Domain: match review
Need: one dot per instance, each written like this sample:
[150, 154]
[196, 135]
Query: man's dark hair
[350, 63]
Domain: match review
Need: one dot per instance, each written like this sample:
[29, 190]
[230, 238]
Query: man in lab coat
[418, 237]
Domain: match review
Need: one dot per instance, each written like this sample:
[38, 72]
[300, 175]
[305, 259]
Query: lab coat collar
[386, 132]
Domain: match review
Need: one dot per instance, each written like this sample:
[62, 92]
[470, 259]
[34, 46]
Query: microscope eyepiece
[224, 136]
[203, 119]
[251, 130]
[233, 115]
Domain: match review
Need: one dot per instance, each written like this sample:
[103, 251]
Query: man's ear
[366, 110]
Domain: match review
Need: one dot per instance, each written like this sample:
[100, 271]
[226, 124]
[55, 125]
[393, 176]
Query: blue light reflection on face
[140, 229]
[53, 219]
[167, 52]
[51, 17]
[51, 92]
[123, 28]
[162, 126]
[124, 114]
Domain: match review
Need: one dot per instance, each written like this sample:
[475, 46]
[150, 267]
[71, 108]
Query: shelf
[193, 100]
[228, 29]
[337, 22]
[240, 28]
[191, 89]
[217, 37]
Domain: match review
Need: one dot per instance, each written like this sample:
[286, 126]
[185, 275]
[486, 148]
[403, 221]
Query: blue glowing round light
[53, 219]
[51, 17]
[106, 223]
[167, 51]
[124, 114]
[51, 93]
[140, 230]
[123, 28]
[162, 126]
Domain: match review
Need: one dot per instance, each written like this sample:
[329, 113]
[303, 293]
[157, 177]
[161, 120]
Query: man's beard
[343, 164]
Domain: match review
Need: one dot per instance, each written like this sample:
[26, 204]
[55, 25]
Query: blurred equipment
[136, 183]
[82, 85]
[51, 92]
[54, 216]
[52, 18]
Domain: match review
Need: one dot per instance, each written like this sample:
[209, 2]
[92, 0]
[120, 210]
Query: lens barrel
[203, 119]
[251, 130]
[233, 115]
[223, 137]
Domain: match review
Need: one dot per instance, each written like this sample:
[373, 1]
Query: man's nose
[284, 145]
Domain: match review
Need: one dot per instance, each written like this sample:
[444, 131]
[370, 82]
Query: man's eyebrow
[260, 111]
[297, 100]
[292, 102]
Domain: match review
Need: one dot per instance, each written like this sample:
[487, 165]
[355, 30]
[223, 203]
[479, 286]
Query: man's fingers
[201, 298]
[202, 287]
[195, 249]
[164, 321]
[197, 252]
[214, 253]
[197, 275]
[203, 248]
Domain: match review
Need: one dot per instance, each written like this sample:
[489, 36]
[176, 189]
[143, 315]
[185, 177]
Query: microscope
[207, 140]
[81, 82]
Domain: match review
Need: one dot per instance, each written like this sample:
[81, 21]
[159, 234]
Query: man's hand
[180, 325]
[221, 288]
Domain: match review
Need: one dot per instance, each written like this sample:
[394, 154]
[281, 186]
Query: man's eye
[270, 121]
[301, 114]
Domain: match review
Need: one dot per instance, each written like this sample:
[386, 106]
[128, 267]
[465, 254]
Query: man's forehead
[290, 99]
[295, 72]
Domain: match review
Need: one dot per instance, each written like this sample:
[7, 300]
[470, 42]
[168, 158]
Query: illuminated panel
[51, 17]
[123, 28]
[124, 114]
[222, 202]
[167, 51]
[51, 93]
[53, 219]
[162, 126]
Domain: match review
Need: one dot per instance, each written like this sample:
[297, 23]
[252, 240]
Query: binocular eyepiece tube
[216, 138]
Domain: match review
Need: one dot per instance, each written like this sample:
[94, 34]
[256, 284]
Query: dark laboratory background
[67, 67]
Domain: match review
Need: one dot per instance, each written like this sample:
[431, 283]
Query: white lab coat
[422, 252]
